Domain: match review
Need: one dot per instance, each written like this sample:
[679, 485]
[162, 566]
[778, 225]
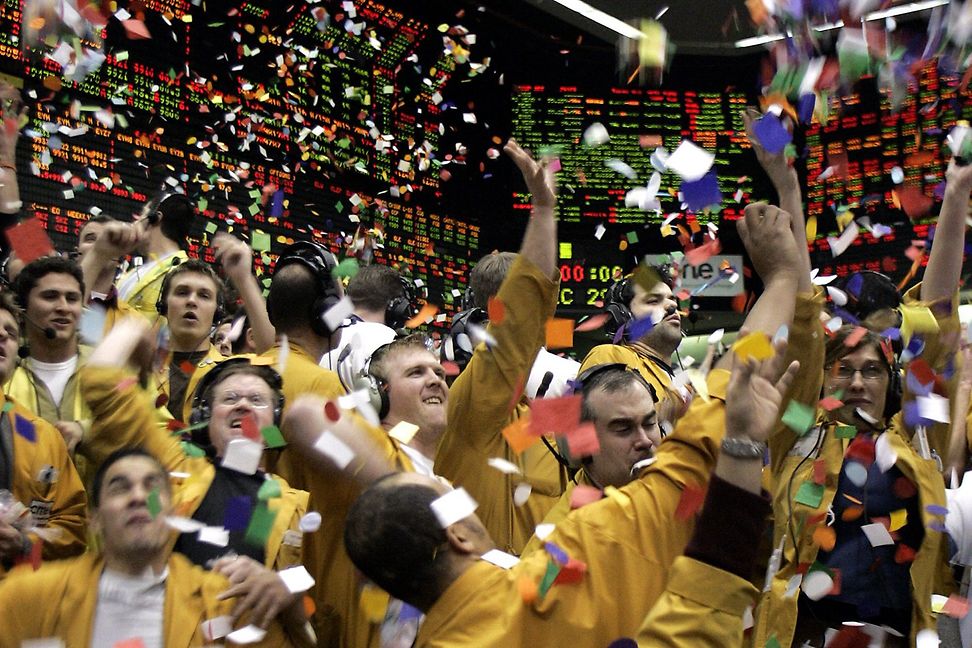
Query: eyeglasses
[870, 371]
[232, 399]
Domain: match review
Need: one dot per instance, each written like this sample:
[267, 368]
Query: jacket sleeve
[69, 514]
[702, 606]
[123, 418]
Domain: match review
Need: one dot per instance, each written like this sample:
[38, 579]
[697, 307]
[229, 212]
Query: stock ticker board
[279, 121]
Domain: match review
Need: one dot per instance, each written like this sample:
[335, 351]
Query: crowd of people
[183, 468]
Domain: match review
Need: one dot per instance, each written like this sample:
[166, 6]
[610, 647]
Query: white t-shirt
[130, 607]
[55, 375]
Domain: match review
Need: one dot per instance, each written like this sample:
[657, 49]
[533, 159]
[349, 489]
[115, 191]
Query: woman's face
[860, 379]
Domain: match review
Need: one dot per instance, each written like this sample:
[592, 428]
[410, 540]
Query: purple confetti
[805, 107]
[936, 509]
[238, 513]
[771, 133]
[559, 555]
[25, 428]
[639, 328]
[702, 193]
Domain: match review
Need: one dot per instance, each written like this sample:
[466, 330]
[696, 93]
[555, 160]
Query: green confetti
[192, 450]
[632, 237]
[270, 489]
[272, 437]
[121, 56]
[260, 241]
[846, 432]
[258, 530]
[548, 578]
[7, 406]
[799, 417]
[810, 494]
[772, 642]
[202, 203]
[211, 227]
[154, 503]
[347, 268]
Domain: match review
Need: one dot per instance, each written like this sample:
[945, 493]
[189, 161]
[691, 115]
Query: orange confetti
[851, 513]
[528, 590]
[583, 495]
[496, 310]
[690, 502]
[825, 537]
[592, 323]
[424, 316]
[518, 436]
[52, 83]
[309, 606]
[560, 333]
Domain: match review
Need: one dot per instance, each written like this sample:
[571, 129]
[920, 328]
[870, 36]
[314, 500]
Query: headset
[402, 308]
[450, 349]
[321, 262]
[616, 300]
[162, 306]
[202, 408]
[376, 386]
[892, 398]
[583, 379]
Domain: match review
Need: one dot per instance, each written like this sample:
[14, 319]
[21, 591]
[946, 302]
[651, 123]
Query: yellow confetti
[898, 519]
[374, 603]
[755, 345]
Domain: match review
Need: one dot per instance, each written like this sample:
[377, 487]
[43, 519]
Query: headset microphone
[545, 384]
[48, 332]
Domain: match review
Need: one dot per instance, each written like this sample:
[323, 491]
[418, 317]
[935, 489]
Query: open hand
[258, 590]
[755, 392]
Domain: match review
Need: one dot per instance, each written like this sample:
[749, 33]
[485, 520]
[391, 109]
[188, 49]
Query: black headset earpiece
[402, 308]
[321, 262]
[616, 306]
[162, 303]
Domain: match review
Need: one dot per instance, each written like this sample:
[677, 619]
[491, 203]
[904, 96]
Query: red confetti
[161, 400]
[690, 502]
[904, 554]
[583, 495]
[830, 403]
[572, 572]
[250, 429]
[451, 368]
[174, 425]
[592, 323]
[496, 310]
[956, 606]
[855, 336]
[555, 415]
[903, 488]
[819, 472]
[850, 637]
[332, 412]
[29, 240]
[186, 367]
[582, 440]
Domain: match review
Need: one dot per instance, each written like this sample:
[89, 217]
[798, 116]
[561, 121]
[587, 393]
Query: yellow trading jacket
[560, 510]
[203, 367]
[123, 419]
[60, 600]
[55, 497]
[776, 613]
[629, 541]
[702, 606]
[646, 365]
[145, 293]
[481, 405]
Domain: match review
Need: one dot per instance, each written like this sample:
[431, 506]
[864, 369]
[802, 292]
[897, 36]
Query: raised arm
[236, 259]
[539, 244]
[783, 175]
[945, 262]
[99, 265]
[11, 108]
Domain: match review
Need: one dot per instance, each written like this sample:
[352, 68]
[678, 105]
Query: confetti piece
[689, 161]
[217, 627]
[214, 535]
[553, 569]
[689, 502]
[809, 494]
[296, 579]
[838, 245]
[755, 345]
[184, 524]
[248, 426]
[269, 489]
[24, 428]
[817, 584]
[129, 643]
[913, 202]
[29, 240]
[522, 493]
[260, 241]
[820, 472]
[799, 417]
[247, 635]
[311, 522]
[582, 441]
[877, 534]
[830, 403]
[453, 506]
[339, 312]
[236, 515]
[496, 310]
[825, 537]
[500, 558]
[571, 573]
[856, 472]
[518, 435]
[702, 193]
[592, 323]
[424, 315]
[956, 606]
[559, 333]
[403, 432]
[898, 519]
[272, 437]
[845, 432]
[503, 465]
[855, 336]
[258, 531]
[528, 590]
[555, 415]
[771, 133]
[596, 135]
[242, 455]
[334, 449]
[582, 495]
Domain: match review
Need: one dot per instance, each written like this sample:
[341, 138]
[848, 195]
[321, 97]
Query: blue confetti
[25, 428]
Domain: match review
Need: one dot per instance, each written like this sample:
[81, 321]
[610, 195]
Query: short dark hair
[100, 218]
[199, 267]
[39, 268]
[115, 457]
[177, 214]
[291, 289]
[487, 276]
[378, 363]
[394, 538]
[374, 286]
[611, 379]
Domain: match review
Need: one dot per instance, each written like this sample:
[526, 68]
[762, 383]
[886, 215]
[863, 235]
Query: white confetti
[242, 455]
[311, 522]
[500, 558]
[453, 506]
[877, 534]
[247, 634]
[296, 579]
[334, 449]
[690, 161]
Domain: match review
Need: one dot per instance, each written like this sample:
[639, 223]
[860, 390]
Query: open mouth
[432, 400]
[192, 317]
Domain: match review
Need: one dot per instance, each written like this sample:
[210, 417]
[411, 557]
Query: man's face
[191, 303]
[87, 237]
[221, 339]
[862, 377]
[235, 398]
[659, 304]
[55, 304]
[8, 344]
[417, 391]
[123, 518]
[627, 429]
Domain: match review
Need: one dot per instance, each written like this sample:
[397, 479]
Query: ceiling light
[601, 18]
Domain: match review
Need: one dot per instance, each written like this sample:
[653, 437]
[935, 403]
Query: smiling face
[191, 305]
[236, 397]
[627, 429]
[122, 516]
[417, 391]
[862, 377]
[658, 304]
[54, 304]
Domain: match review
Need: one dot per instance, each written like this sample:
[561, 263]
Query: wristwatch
[743, 448]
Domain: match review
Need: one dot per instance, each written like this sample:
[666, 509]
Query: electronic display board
[280, 121]
[638, 120]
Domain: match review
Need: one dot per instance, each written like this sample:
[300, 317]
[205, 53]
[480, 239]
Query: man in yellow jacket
[134, 589]
[36, 469]
[229, 505]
